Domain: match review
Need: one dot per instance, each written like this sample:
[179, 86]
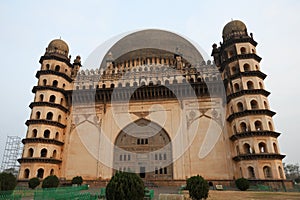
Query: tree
[33, 183]
[50, 182]
[7, 181]
[77, 180]
[198, 187]
[291, 171]
[123, 186]
[242, 184]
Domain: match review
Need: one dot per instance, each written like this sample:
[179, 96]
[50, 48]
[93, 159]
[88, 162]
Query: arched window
[59, 118]
[254, 105]
[61, 101]
[234, 70]
[127, 84]
[51, 172]
[44, 82]
[34, 133]
[54, 154]
[243, 127]
[112, 85]
[251, 173]
[240, 107]
[258, 125]
[262, 147]
[243, 50]
[275, 148]
[267, 172]
[56, 135]
[247, 148]
[158, 82]
[30, 152]
[49, 116]
[54, 83]
[261, 85]
[119, 84]
[250, 85]
[41, 97]
[236, 87]
[46, 133]
[143, 83]
[135, 84]
[57, 68]
[40, 173]
[280, 172]
[191, 80]
[47, 66]
[199, 79]
[246, 67]
[26, 173]
[270, 126]
[37, 115]
[44, 152]
[52, 99]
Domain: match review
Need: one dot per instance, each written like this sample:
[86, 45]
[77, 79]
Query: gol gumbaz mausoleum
[155, 107]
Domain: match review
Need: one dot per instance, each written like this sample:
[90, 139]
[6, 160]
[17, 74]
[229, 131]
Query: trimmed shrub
[50, 182]
[198, 187]
[7, 181]
[33, 183]
[77, 180]
[242, 184]
[124, 185]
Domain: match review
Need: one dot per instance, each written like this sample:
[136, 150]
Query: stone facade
[156, 108]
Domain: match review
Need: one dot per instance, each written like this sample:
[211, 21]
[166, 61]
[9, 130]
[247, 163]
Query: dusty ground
[238, 195]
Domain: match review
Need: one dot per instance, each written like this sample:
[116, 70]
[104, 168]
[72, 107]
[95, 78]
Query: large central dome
[161, 40]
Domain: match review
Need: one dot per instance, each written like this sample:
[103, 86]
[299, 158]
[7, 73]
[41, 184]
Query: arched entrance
[143, 147]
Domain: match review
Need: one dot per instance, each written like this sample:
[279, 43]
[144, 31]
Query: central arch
[143, 147]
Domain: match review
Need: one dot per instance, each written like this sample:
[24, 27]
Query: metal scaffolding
[12, 151]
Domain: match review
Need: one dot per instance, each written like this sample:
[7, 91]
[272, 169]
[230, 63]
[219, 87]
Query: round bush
[7, 181]
[50, 182]
[33, 183]
[242, 184]
[198, 187]
[124, 185]
[77, 180]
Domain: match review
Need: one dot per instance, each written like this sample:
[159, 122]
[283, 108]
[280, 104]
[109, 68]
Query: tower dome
[58, 46]
[234, 28]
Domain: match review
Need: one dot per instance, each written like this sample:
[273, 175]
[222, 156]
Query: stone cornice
[47, 72]
[42, 140]
[239, 57]
[247, 92]
[49, 104]
[39, 160]
[261, 156]
[54, 57]
[43, 121]
[56, 89]
[250, 112]
[254, 134]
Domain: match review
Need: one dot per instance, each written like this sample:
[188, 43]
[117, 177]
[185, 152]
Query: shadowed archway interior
[143, 147]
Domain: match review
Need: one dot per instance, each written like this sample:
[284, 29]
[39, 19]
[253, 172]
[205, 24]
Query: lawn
[249, 195]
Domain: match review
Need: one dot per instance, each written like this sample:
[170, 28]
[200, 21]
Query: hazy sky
[28, 26]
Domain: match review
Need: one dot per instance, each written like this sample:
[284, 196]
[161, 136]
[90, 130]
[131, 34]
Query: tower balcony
[248, 74]
[248, 134]
[258, 156]
[250, 112]
[43, 141]
[35, 88]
